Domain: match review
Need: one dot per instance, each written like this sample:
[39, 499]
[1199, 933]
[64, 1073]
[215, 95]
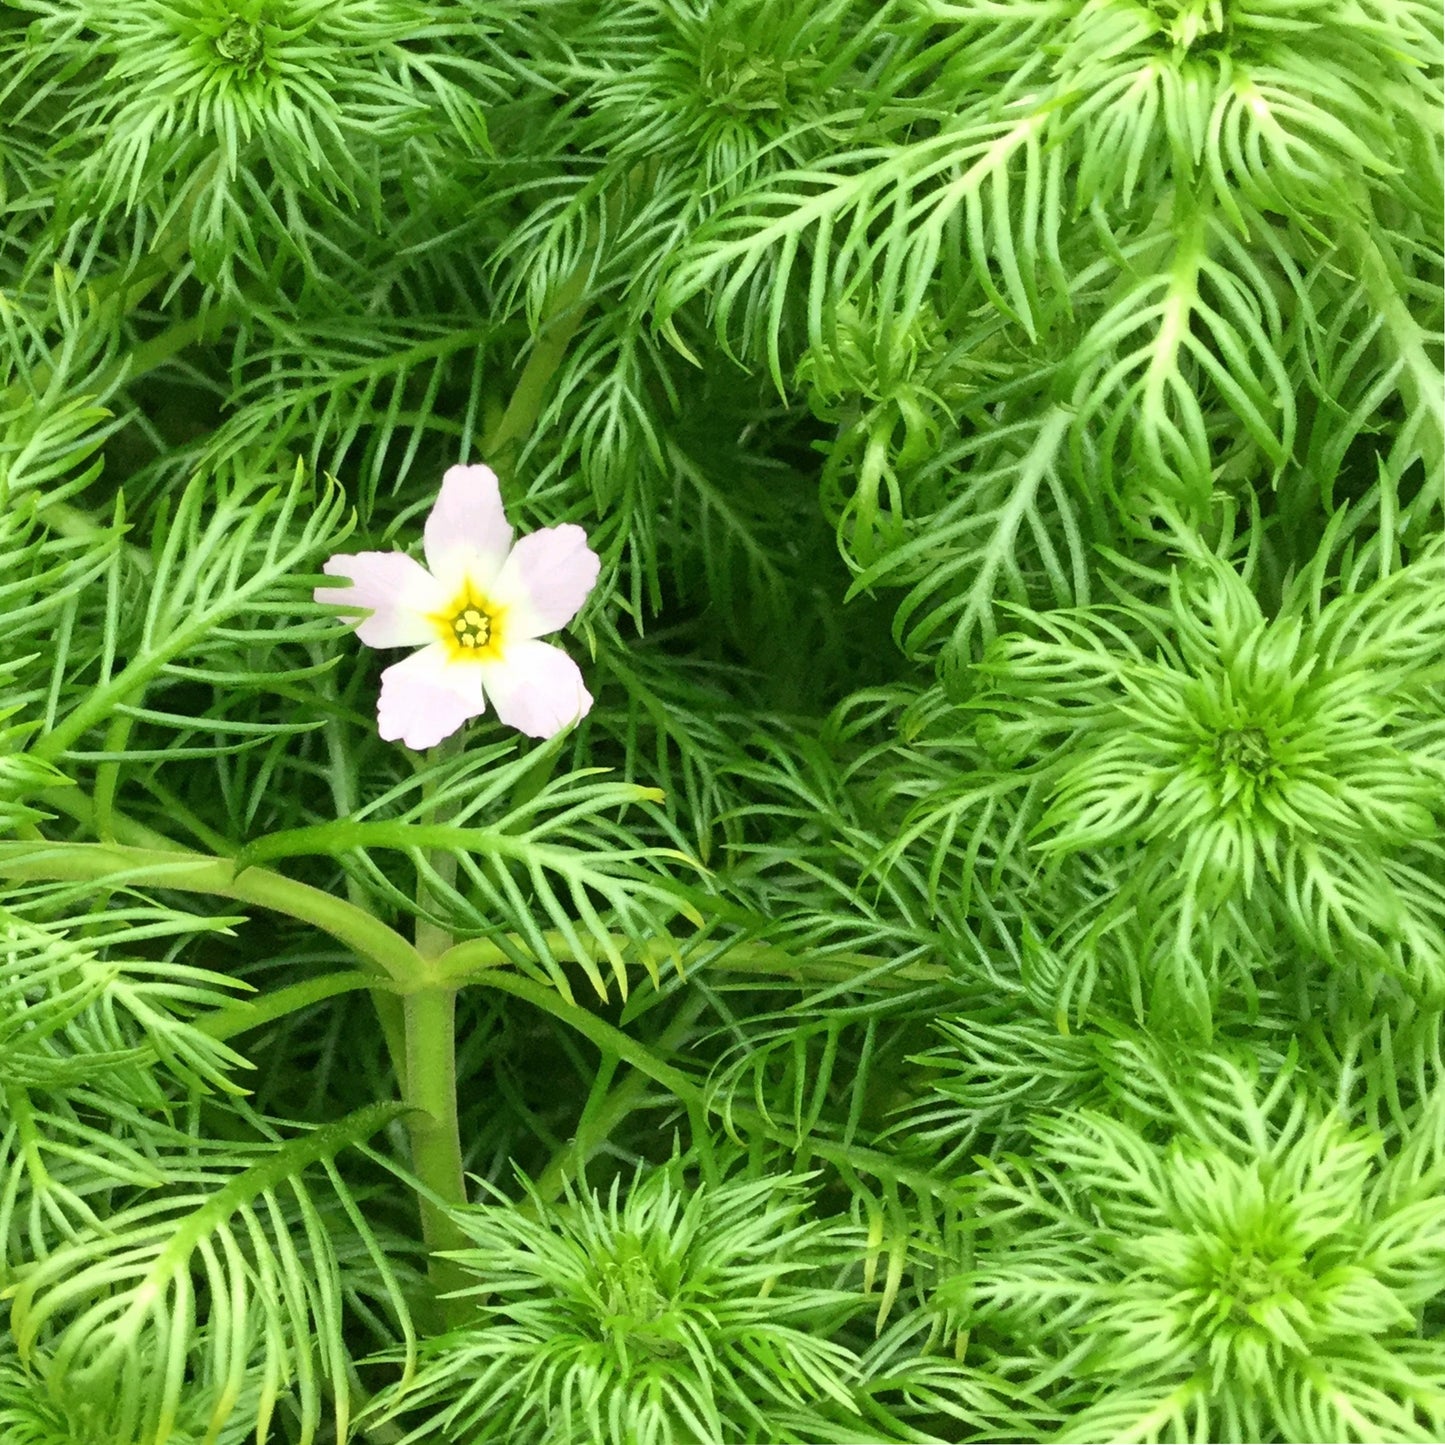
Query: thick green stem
[162, 864]
[76, 804]
[432, 939]
[436, 1156]
[436, 1147]
[431, 1076]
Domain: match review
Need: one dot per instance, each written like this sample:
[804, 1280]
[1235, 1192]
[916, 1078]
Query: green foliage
[264, 1257]
[1252, 769]
[212, 112]
[1263, 1275]
[977, 970]
[33, 1415]
[672, 1312]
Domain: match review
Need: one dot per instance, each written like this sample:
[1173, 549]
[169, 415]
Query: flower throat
[473, 627]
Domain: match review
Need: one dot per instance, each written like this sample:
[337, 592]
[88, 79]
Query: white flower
[476, 611]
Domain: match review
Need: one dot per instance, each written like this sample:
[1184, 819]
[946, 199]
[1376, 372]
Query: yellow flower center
[471, 627]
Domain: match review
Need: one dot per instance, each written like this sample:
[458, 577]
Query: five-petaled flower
[476, 611]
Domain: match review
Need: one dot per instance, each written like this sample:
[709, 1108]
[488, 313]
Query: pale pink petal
[546, 580]
[426, 697]
[467, 535]
[536, 688]
[398, 591]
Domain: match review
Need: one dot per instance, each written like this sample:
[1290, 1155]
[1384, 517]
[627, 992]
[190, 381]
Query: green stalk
[247, 1014]
[126, 830]
[429, 1017]
[378, 947]
[145, 356]
[436, 1154]
[565, 311]
[694, 1097]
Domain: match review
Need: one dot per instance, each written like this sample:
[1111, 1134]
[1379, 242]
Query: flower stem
[554, 336]
[431, 1078]
[436, 1155]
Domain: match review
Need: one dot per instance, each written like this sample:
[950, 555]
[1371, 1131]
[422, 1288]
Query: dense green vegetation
[975, 972]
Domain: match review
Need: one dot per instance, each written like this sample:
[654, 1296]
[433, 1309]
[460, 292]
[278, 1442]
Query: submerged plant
[999, 448]
[1268, 1274]
[1251, 769]
[670, 1313]
[221, 123]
